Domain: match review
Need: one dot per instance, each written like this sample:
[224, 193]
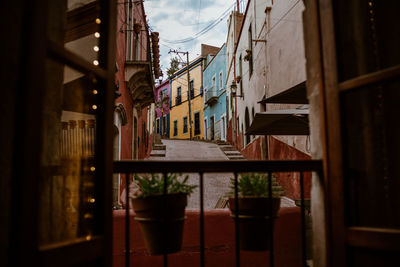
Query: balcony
[139, 77]
[211, 237]
[211, 96]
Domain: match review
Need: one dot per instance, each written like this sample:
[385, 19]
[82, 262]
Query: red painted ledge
[219, 241]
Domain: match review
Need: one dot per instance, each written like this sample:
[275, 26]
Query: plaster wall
[178, 112]
[278, 58]
[217, 109]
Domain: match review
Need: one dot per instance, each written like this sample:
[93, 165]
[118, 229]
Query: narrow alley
[216, 185]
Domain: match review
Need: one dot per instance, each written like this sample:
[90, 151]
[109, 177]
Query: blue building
[215, 108]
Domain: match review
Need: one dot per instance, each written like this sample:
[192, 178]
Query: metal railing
[236, 167]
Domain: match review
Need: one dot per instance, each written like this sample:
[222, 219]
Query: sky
[192, 21]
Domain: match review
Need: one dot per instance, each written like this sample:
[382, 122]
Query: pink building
[162, 109]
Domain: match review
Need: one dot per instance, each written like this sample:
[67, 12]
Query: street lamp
[233, 88]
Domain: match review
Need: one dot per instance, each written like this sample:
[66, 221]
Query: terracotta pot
[255, 221]
[152, 212]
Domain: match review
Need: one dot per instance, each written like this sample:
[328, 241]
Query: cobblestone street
[215, 184]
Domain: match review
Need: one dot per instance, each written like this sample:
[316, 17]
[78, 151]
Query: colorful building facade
[162, 125]
[215, 109]
[180, 127]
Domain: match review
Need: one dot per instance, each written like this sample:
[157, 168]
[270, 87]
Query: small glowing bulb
[94, 92]
[88, 237]
[97, 34]
[94, 107]
[95, 62]
[96, 48]
[93, 168]
[98, 21]
[92, 200]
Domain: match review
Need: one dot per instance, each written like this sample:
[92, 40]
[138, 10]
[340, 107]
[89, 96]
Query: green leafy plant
[154, 184]
[253, 184]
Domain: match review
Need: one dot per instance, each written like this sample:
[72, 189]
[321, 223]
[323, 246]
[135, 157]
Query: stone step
[159, 147]
[236, 157]
[232, 153]
[157, 153]
[220, 142]
[227, 148]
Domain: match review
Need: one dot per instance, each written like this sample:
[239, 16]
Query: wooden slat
[70, 253]
[333, 155]
[374, 238]
[81, 21]
[370, 78]
[66, 57]
[161, 166]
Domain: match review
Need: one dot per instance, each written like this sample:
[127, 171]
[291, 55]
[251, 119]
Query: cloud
[178, 19]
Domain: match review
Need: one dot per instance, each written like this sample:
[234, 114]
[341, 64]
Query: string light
[98, 21]
[95, 93]
[96, 48]
[97, 34]
[95, 62]
[94, 107]
[92, 169]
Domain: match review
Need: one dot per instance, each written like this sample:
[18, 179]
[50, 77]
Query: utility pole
[188, 88]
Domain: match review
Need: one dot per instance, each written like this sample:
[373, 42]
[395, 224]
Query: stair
[159, 150]
[229, 150]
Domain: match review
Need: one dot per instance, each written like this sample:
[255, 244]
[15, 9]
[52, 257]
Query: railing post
[165, 254]
[303, 221]
[271, 222]
[237, 249]
[127, 232]
[201, 219]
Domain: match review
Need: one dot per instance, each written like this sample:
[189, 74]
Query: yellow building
[180, 127]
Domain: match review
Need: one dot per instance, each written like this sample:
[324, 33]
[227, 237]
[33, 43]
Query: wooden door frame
[33, 48]
[322, 79]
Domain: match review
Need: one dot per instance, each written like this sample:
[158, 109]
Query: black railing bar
[146, 166]
[202, 255]
[271, 220]
[165, 226]
[237, 248]
[127, 232]
[303, 221]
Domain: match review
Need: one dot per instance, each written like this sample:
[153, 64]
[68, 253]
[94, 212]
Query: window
[175, 127]
[185, 125]
[213, 84]
[250, 38]
[220, 80]
[129, 32]
[191, 87]
[196, 123]
[178, 96]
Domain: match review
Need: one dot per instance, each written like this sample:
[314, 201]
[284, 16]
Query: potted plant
[248, 55]
[161, 217]
[254, 210]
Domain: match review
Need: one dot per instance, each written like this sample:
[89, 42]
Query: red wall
[125, 99]
[290, 181]
[219, 242]
[253, 150]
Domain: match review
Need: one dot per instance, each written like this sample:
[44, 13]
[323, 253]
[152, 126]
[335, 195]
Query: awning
[294, 95]
[280, 122]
